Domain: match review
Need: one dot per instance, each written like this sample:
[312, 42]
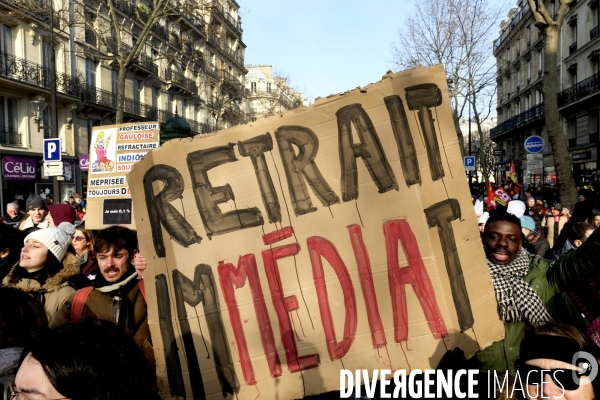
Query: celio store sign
[19, 168]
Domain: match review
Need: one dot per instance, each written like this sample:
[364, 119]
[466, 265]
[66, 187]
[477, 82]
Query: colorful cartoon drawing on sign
[104, 151]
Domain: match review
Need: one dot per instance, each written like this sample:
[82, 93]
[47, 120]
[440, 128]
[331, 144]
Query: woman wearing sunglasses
[557, 362]
[83, 244]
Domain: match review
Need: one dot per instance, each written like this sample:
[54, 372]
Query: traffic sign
[534, 144]
[54, 168]
[469, 162]
[52, 150]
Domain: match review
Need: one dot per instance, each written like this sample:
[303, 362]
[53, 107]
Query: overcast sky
[325, 46]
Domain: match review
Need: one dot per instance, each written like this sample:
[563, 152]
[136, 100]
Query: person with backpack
[116, 294]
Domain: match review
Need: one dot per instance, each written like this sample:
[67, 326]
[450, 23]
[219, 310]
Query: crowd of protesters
[544, 261]
[73, 304]
[39, 212]
[73, 314]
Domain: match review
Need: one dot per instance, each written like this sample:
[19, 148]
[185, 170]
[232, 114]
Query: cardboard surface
[341, 236]
[113, 151]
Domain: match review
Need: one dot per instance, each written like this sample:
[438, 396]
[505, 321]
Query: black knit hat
[35, 201]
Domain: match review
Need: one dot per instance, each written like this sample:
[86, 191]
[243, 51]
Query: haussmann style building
[192, 63]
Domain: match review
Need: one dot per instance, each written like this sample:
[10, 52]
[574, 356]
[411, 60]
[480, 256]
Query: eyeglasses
[78, 238]
[566, 378]
[14, 395]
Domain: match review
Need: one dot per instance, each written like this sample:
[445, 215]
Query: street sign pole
[470, 178]
[53, 102]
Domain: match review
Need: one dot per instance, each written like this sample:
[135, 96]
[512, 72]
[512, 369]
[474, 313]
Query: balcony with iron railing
[22, 70]
[218, 9]
[195, 21]
[146, 62]
[239, 59]
[143, 63]
[212, 70]
[580, 90]
[160, 32]
[230, 19]
[126, 7]
[11, 136]
[594, 32]
[104, 98]
[38, 9]
[518, 120]
[175, 40]
[176, 80]
[512, 25]
[231, 80]
[229, 52]
[98, 96]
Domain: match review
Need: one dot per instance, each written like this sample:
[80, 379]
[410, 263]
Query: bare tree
[457, 34]
[484, 148]
[550, 28]
[115, 22]
[224, 98]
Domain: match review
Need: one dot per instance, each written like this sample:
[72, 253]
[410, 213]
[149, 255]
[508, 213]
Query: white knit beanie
[516, 208]
[56, 239]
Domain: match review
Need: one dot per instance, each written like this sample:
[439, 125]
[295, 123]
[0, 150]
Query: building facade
[268, 95]
[192, 63]
[519, 54]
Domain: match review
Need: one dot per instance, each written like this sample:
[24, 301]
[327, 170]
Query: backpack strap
[78, 304]
[142, 289]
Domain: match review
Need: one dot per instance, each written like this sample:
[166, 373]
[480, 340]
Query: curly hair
[502, 216]
[115, 238]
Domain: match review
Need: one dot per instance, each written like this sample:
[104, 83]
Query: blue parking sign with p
[52, 150]
[470, 161]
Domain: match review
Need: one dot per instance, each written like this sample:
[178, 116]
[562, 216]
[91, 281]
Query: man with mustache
[116, 294]
[527, 287]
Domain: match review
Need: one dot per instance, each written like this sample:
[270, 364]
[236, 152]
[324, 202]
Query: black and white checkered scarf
[516, 299]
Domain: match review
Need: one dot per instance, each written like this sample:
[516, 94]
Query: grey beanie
[35, 201]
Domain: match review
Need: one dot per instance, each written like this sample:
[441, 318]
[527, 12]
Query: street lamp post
[40, 104]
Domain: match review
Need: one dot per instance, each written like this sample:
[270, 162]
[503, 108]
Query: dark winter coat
[55, 291]
[548, 278]
[121, 303]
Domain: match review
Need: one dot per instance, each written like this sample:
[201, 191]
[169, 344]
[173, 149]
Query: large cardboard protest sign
[113, 151]
[341, 236]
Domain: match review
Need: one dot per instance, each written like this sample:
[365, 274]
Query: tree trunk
[558, 140]
[120, 93]
[459, 134]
